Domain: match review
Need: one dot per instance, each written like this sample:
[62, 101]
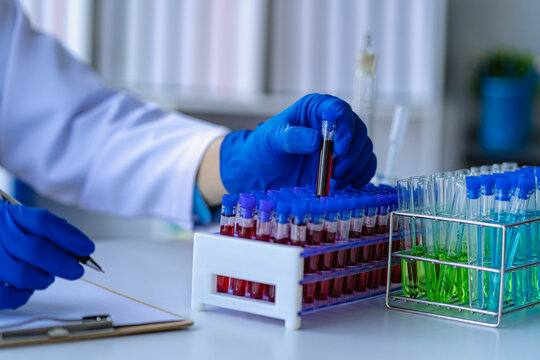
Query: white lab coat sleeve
[77, 141]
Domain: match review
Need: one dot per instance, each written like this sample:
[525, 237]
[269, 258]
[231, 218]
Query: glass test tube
[409, 274]
[430, 238]
[280, 235]
[329, 237]
[227, 222]
[454, 241]
[535, 245]
[519, 240]
[340, 256]
[381, 229]
[416, 226]
[246, 229]
[263, 231]
[326, 154]
[368, 230]
[475, 244]
[395, 276]
[500, 215]
[355, 233]
[313, 238]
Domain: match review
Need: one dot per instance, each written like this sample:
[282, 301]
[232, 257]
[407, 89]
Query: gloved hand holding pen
[36, 246]
[284, 151]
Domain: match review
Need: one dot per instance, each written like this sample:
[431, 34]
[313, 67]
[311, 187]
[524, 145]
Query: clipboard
[53, 316]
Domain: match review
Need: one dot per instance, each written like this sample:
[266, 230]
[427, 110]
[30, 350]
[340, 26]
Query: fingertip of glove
[76, 272]
[11, 298]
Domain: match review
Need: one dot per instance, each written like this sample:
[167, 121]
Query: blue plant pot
[506, 112]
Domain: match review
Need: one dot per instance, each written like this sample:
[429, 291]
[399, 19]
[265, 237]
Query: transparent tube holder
[397, 299]
[275, 264]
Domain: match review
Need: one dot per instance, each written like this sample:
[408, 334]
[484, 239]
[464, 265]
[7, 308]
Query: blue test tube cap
[285, 190]
[370, 201]
[299, 208]
[386, 187]
[383, 200]
[283, 207]
[394, 198]
[316, 207]
[347, 204]
[265, 210]
[524, 186]
[473, 184]
[228, 200]
[266, 205]
[358, 202]
[502, 185]
[332, 205]
[247, 201]
[241, 197]
[514, 180]
[259, 197]
[487, 182]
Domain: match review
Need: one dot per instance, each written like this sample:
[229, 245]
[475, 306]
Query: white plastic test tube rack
[268, 263]
[257, 261]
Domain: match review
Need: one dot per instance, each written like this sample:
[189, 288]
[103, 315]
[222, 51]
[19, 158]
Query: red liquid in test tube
[281, 235]
[313, 239]
[228, 218]
[383, 204]
[328, 129]
[246, 228]
[368, 230]
[329, 237]
[263, 233]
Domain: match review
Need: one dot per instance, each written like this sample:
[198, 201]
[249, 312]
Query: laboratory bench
[159, 272]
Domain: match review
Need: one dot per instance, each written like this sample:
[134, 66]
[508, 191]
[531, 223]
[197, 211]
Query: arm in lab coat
[76, 140]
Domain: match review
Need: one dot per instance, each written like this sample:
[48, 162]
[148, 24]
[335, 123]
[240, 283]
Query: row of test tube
[295, 216]
[499, 193]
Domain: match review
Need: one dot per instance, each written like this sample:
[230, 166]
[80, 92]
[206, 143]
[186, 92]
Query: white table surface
[160, 273]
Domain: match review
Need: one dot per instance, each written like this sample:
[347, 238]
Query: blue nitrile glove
[36, 246]
[284, 151]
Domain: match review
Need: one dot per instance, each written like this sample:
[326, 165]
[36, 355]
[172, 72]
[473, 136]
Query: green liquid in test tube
[454, 237]
[429, 233]
[417, 235]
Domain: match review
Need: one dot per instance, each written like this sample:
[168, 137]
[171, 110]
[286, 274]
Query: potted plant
[506, 82]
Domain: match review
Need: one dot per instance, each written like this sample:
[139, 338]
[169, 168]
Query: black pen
[85, 260]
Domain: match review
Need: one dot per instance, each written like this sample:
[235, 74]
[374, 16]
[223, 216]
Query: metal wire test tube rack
[454, 310]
